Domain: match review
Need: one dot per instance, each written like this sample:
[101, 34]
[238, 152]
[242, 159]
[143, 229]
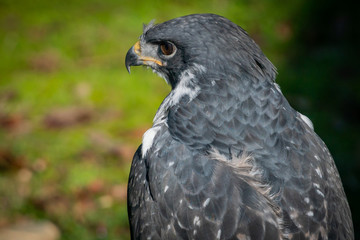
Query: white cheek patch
[186, 87]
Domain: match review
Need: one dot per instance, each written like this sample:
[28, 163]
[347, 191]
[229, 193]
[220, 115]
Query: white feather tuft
[306, 120]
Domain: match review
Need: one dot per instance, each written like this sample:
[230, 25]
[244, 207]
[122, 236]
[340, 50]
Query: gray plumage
[227, 156]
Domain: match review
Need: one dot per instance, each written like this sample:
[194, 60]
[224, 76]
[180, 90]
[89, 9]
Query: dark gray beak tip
[131, 59]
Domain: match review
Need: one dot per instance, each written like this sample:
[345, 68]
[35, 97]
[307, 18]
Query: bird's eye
[167, 48]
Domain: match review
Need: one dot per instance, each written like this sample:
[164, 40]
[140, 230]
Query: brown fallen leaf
[15, 122]
[83, 90]
[112, 147]
[135, 133]
[57, 207]
[8, 96]
[106, 201]
[40, 165]
[119, 192]
[46, 61]
[31, 230]
[11, 121]
[101, 140]
[24, 175]
[96, 186]
[124, 151]
[81, 208]
[67, 117]
[10, 161]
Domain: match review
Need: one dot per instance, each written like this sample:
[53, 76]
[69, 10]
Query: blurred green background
[71, 117]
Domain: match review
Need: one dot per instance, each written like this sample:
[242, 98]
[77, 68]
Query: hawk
[227, 157]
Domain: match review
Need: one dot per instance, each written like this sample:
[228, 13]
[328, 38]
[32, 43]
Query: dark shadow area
[321, 79]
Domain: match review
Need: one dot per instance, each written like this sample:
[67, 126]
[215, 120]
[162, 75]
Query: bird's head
[204, 41]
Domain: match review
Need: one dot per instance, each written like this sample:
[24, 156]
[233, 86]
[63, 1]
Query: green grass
[60, 54]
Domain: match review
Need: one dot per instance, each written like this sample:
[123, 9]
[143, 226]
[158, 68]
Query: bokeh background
[71, 117]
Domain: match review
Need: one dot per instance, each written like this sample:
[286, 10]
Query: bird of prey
[227, 157]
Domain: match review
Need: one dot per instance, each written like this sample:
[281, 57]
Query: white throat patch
[185, 87]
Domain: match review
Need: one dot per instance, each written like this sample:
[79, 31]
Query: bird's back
[196, 182]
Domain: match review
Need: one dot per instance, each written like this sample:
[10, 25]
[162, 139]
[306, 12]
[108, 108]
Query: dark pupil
[167, 48]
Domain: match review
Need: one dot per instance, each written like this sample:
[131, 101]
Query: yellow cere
[137, 50]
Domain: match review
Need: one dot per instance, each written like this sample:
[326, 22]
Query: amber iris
[167, 48]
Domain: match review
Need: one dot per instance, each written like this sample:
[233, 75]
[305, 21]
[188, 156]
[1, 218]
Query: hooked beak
[131, 59]
[134, 58]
